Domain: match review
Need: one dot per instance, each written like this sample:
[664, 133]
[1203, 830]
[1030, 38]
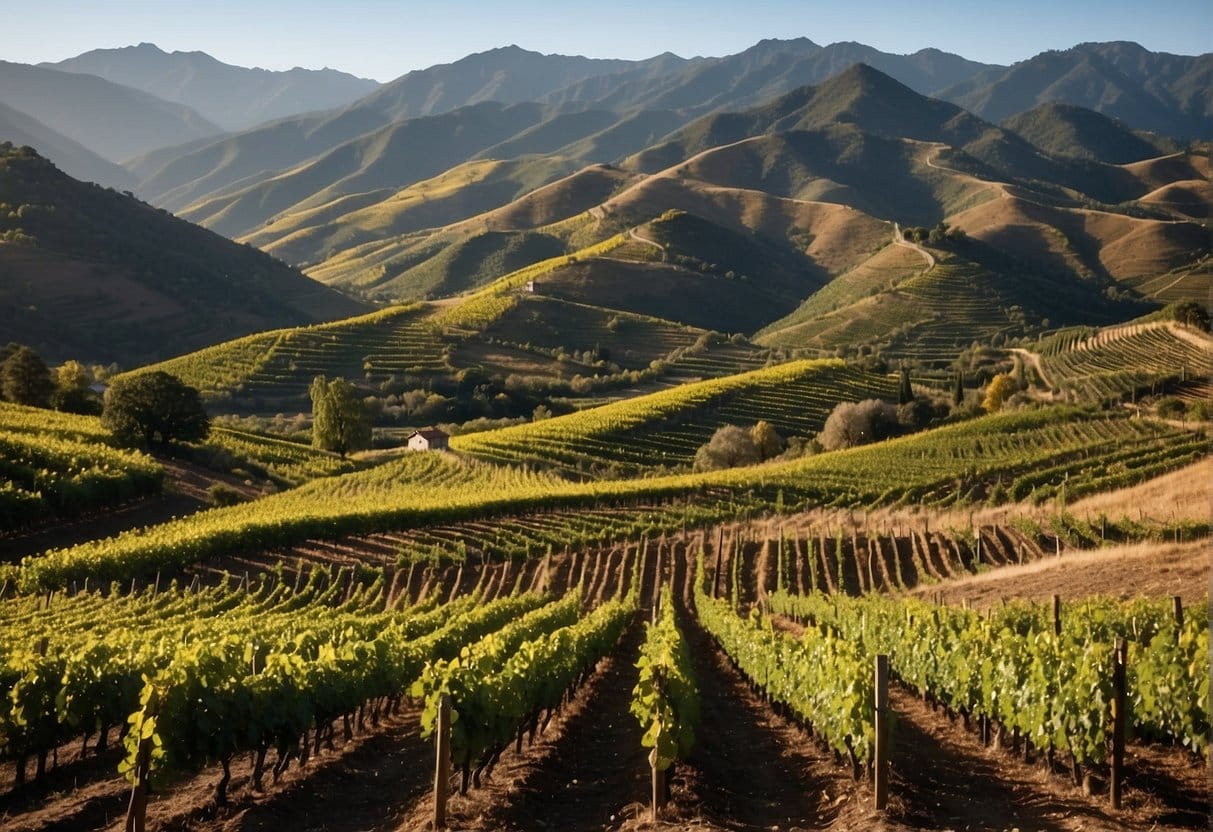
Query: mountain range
[232, 97]
[113, 121]
[760, 193]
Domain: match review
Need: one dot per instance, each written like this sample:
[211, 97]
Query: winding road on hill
[1033, 360]
[635, 235]
[900, 240]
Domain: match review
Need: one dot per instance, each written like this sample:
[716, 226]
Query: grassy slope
[386, 266]
[313, 235]
[281, 364]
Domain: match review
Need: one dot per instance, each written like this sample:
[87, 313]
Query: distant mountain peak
[232, 97]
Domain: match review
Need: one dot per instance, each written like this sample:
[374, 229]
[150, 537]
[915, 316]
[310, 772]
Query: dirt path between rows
[754, 770]
[367, 784]
[591, 774]
[943, 778]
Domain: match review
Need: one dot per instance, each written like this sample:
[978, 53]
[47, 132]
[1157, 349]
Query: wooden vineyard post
[1119, 668]
[716, 574]
[1057, 615]
[659, 774]
[658, 786]
[882, 732]
[1177, 609]
[442, 767]
[136, 810]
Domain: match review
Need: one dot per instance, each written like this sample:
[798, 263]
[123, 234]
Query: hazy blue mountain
[233, 97]
[765, 70]
[71, 157]
[113, 121]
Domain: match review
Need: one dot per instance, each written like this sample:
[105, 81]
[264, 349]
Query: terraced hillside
[1032, 453]
[928, 317]
[663, 430]
[1115, 362]
[59, 465]
[277, 367]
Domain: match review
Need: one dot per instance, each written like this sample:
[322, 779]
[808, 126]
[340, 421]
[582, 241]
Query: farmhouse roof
[430, 434]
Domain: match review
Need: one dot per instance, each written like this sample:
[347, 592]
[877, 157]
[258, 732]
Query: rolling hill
[590, 110]
[1068, 130]
[91, 274]
[812, 172]
[663, 430]
[111, 120]
[233, 97]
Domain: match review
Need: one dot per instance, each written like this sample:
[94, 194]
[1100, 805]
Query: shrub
[858, 423]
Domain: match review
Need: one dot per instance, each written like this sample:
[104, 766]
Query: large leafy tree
[341, 421]
[72, 393]
[729, 447]
[25, 378]
[999, 390]
[767, 440]
[154, 408]
[858, 423]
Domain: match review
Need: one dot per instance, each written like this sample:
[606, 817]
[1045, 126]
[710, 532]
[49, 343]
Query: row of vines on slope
[1031, 452]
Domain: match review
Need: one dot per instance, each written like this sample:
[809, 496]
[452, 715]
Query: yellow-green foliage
[1035, 451]
[391, 340]
[60, 464]
[287, 462]
[665, 428]
[487, 305]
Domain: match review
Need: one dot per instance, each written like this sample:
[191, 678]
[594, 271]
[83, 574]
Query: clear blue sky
[383, 39]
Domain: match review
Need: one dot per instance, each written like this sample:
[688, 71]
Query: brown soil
[1149, 569]
[364, 784]
[588, 770]
[753, 769]
[946, 779]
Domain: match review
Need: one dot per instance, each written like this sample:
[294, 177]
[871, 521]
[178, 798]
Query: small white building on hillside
[430, 439]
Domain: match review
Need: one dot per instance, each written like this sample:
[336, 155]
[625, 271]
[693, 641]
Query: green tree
[341, 421]
[905, 392]
[958, 389]
[25, 378]
[767, 440]
[72, 393]
[1171, 407]
[999, 390]
[154, 408]
[1190, 313]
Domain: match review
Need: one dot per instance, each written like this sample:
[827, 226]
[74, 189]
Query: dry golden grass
[560, 200]
[1154, 173]
[841, 236]
[1082, 240]
[1190, 197]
